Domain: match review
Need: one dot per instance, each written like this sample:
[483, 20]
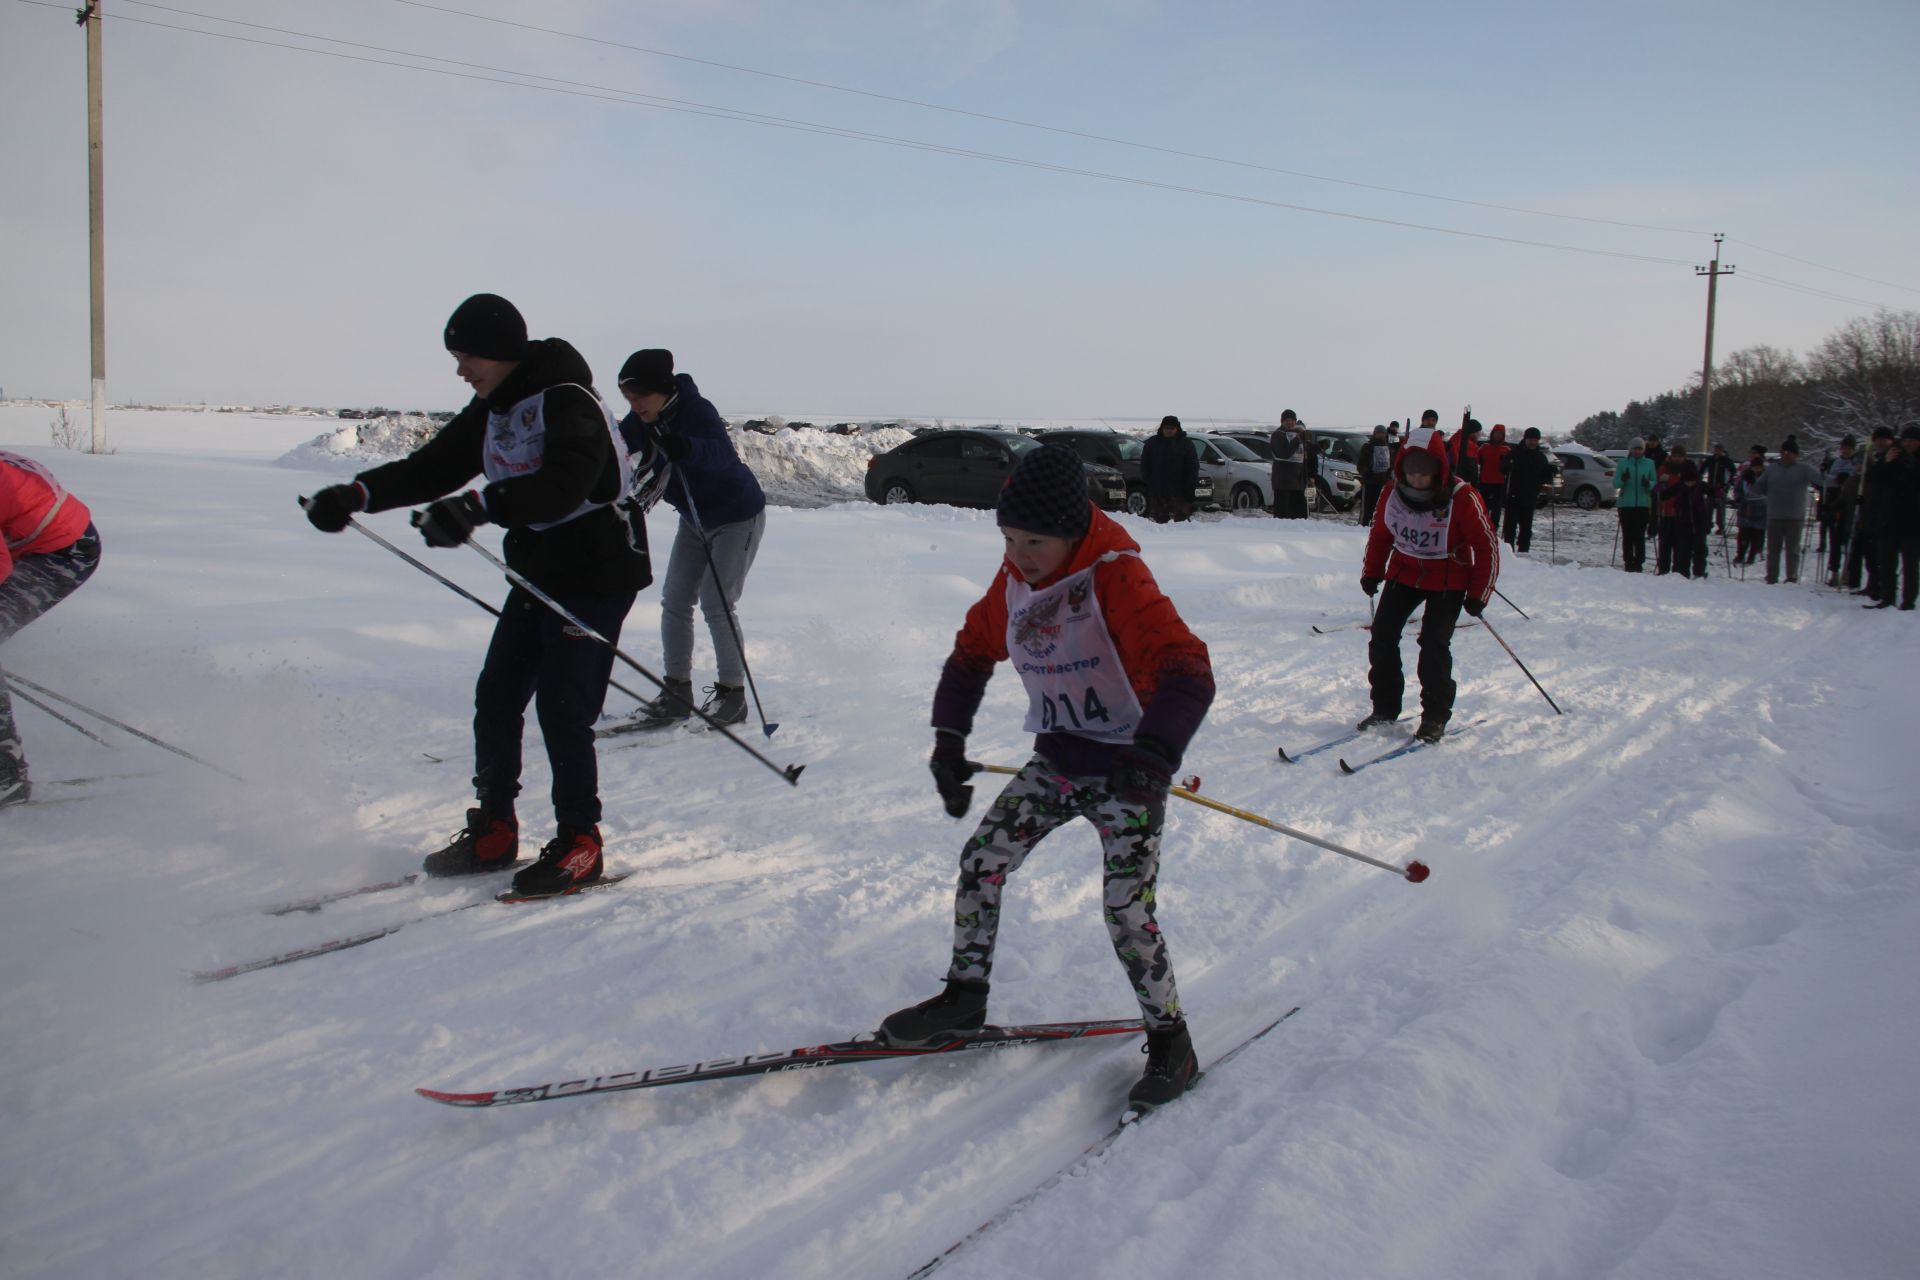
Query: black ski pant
[1385, 675]
[1842, 529]
[536, 655]
[1519, 531]
[1494, 496]
[1633, 538]
[37, 583]
[1899, 563]
[1370, 491]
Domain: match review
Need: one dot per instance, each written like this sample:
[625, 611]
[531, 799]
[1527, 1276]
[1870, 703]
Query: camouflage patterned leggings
[36, 584]
[1036, 801]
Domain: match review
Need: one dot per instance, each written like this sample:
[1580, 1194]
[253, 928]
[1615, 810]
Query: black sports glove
[673, 444]
[1474, 607]
[1142, 771]
[450, 521]
[951, 769]
[330, 509]
[1369, 585]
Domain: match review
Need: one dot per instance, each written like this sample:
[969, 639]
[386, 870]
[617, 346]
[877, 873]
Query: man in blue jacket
[723, 514]
[1633, 481]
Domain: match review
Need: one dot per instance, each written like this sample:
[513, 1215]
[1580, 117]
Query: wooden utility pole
[1713, 274]
[89, 18]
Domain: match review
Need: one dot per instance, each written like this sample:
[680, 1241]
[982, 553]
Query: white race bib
[1420, 534]
[1058, 641]
[516, 445]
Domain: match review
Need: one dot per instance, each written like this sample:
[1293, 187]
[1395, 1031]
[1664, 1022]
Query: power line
[1029, 124]
[573, 88]
[631, 98]
[1818, 267]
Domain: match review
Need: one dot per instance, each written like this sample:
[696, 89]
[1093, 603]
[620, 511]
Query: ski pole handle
[1414, 871]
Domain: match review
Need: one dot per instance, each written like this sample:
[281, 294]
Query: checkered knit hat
[1047, 493]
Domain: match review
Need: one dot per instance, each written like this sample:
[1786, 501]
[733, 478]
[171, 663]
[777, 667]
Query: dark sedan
[968, 468]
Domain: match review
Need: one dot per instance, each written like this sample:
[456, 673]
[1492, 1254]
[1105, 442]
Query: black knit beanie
[1169, 421]
[488, 326]
[1047, 493]
[647, 371]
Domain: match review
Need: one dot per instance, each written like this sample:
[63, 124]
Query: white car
[1242, 480]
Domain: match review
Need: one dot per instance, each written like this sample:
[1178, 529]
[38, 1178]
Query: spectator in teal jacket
[1633, 481]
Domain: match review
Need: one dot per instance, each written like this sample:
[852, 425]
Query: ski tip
[1284, 757]
[1417, 871]
[457, 1099]
[1347, 768]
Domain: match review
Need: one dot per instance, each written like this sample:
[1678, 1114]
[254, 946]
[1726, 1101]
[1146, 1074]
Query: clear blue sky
[295, 228]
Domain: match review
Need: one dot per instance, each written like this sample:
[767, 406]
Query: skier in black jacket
[551, 455]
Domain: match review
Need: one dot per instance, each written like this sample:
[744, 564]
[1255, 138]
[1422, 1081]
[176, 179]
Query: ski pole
[791, 773]
[733, 624]
[1523, 666]
[451, 585]
[74, 725]
[1516, 608]
[1415, 871]
[1616, 539]
[43, 691]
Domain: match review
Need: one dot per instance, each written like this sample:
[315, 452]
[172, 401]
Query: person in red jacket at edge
[1493, 473]
[48, 547]
[1116, 688]
[1431, 543]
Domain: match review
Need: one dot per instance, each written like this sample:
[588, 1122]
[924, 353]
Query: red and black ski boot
[489, 842]
[568, 861]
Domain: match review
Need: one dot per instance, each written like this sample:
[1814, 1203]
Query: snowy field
[1651, 1017]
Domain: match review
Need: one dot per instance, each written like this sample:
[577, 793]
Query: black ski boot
[960, 1009]
[489, 842]
[725, 704]
[1430, 730]
[673, 705]
[1171, 1068]
[1374, 720]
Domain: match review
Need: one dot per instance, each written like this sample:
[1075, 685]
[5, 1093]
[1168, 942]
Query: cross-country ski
[840, 1053]
[349, 941]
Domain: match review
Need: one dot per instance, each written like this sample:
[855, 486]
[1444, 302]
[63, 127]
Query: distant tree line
[1864, 375]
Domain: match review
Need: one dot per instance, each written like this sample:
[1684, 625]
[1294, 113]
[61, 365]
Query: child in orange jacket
[1116, 688]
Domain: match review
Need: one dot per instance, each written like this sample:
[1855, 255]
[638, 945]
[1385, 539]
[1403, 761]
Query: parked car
[1242, 480]
[968, 468]
[1338, 484]
[1120, 451]
[1586, 479]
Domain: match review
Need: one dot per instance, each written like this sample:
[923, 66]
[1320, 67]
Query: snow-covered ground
[1652, 1015]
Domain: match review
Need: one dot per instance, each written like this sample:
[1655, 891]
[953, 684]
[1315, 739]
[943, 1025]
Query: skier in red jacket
[48, 547]
[1431, 543]
[1116, 687]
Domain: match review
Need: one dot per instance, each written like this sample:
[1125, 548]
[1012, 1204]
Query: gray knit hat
[1047, 493]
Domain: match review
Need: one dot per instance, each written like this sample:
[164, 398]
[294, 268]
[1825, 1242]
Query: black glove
[673, 444]
[951, 769]
[330, 509]
[1142, 771]
[1474, 607]
[1369, 585]
[450, 521]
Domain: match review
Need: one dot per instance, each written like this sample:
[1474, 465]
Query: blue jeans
[717, 585]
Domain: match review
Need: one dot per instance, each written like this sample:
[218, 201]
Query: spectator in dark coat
[1718, 474]
[1376, 471]
[1528, 472]
[1293, 467]
[1169, 467]
[1897, 508]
